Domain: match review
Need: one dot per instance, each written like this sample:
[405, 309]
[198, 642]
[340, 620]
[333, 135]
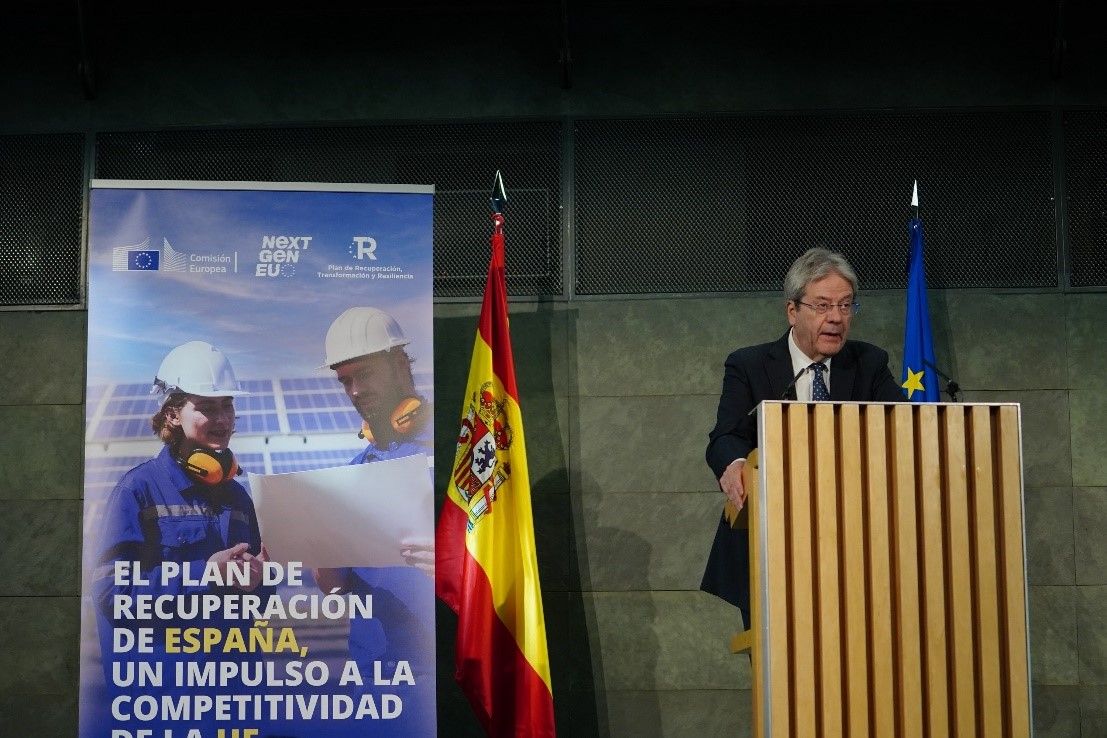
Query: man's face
[207, 422]
[370, 382]
[820, 336]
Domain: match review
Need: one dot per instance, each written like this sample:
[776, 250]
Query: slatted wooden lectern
[887, 572]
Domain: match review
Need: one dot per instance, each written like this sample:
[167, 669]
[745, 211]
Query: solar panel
[125, 416]
[130, 406]
[312, 400]
[292, 461]
[255, 403]
[306, 405]
[303, 422]
[113, 429]
[325, 422]
[257, 424]
[296, 405]
[252, 463]
[308, 383]
[141, 389]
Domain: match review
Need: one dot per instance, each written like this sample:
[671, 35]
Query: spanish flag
[486, 568]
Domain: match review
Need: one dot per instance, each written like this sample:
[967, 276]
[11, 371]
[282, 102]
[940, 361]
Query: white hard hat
[360, 331]
[196, 368]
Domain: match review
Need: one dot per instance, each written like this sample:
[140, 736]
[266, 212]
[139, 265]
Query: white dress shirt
[803, 362]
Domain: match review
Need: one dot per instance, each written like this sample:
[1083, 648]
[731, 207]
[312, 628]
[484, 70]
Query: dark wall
[618, 394]
[204, 64]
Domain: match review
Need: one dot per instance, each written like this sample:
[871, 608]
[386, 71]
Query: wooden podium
[887, 573]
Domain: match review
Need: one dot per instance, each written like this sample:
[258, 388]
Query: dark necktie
[818, 386]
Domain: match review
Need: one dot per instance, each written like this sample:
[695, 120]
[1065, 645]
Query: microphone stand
[952, 388]
[788, 394]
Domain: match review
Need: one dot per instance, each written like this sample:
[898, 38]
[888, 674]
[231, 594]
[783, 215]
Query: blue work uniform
[157, 514]
[402, 626]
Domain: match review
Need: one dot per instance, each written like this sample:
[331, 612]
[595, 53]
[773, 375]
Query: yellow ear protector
[210, 467]
[405, 419]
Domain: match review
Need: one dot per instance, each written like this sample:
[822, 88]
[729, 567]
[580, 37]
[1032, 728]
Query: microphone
[790, 391]
[952, 388]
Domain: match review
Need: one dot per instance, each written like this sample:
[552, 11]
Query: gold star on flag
[914, 382]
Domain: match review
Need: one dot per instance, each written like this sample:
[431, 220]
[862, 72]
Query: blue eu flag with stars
[142, 261]
[919, 380]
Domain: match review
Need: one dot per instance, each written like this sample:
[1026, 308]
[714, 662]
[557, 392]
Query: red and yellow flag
[487, 571]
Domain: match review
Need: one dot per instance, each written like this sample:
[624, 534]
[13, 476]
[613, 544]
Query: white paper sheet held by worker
[345, 516]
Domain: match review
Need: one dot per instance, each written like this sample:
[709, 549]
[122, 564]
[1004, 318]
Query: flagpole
[919, 383]
[498, 198]
[485, 554]
[952, 388]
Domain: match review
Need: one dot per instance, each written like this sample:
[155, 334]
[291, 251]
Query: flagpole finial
[498, 199]
[915, 194]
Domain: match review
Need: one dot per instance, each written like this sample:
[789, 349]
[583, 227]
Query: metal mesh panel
[726, 203]
[1086, 196]
[41, 202]
[458, 158]
[660, 206]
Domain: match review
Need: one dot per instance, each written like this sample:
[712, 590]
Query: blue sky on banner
[143, 304]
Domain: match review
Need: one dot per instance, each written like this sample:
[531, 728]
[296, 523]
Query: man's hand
[227, 555]
[332, 581]
[731, 483]
[228, 561]
[419, 552]
[255, 564]
[240, 552]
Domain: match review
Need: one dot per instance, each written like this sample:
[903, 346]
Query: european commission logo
[142, 258]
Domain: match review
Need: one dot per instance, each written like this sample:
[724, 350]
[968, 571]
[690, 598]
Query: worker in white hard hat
[197, 387]
[367, 350]
[174, 517]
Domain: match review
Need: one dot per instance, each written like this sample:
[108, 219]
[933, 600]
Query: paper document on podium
[345, 516]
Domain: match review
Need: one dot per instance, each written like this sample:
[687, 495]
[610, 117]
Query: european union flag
[920, 382]
[142, 261]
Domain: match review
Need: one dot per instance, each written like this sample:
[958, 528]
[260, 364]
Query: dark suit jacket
[859, 372]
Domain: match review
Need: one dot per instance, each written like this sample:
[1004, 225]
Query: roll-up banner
[258, 517]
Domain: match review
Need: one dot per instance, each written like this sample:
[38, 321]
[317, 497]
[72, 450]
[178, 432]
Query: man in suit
[814, 360]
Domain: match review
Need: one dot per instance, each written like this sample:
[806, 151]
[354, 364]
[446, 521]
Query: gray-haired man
[814, 360]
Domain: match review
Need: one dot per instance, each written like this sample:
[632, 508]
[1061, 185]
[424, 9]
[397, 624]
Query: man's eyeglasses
[822, 308]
